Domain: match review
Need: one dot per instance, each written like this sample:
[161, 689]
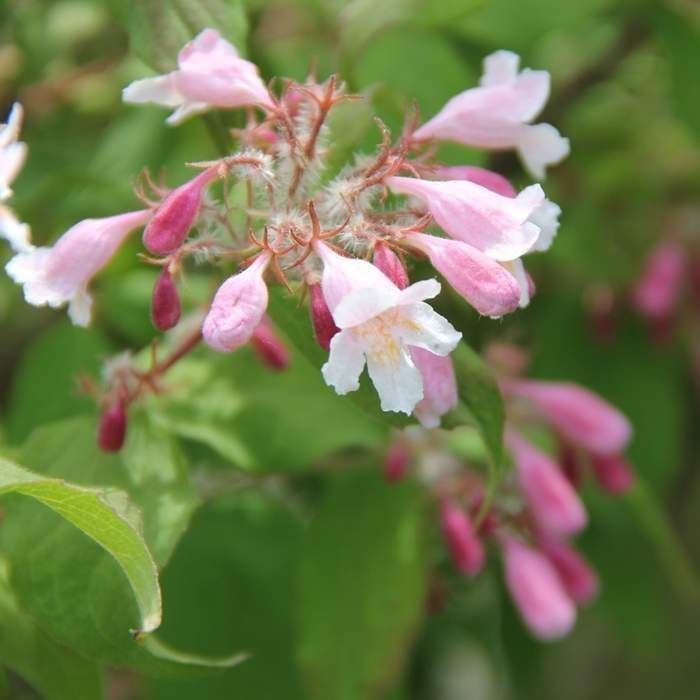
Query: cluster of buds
[271, 208]
[535, 512]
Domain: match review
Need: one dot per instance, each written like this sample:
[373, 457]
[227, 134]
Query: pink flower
[498, 226]
[481, 176]
[397, 460]
[269, 346]
[439, 387]
[237, 308]
[466, 549]
[659, 287]
[321, 318]
[613, 473]
[484, 283]
[537, 591]
[175, 216]
[497, 115]
[210, 74]
[165, 302]
[554, 503]
[379, 324]
[60, 274]
[390, 264]
[578, 414]
[579, 580]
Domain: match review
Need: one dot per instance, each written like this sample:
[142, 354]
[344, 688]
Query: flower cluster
[272, 207]
[536, 511]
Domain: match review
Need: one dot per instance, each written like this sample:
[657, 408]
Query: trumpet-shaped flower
[379, 324]
[61, 273]
[210, 74]
[498, 115]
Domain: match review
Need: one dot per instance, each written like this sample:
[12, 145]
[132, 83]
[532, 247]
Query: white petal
[500, 67]
[398, 383]
[419, 291]
[428, 330]
[345, 363]
[517, 269]
[185, 111]
[9, 132]
[546, 216]
[159, 90]
[539, 146]
[16, 233]
[80, 308]
[12, 159]
[360, 305]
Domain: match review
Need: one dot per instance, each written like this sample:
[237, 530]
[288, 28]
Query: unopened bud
[466, 549]
[396, 460]
[165, 303]
[579, 579]
[269, 347]
[614, 473]
[112, 428]
[390, 264]
[321, 318]
[174, 218]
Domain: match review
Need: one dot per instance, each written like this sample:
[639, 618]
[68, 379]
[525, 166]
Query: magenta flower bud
[390, 264]
[537, 591]
[112, 429]
[237, 308]
[396, 460]
[269, 347]
[613, 473]
[321, 318]
[658, 289]
[554, 503]
[578, 578]
[165, 302]
[176, 215]
[579, 415]
[439, 387]
[483, 282]
[466, 549]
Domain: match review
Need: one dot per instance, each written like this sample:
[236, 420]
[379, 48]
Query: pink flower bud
[579, 580]
[321, 317]
[269, 347]
[165, 302]
[390, 264]
[483, 282]
[613, 472]
[176, 215]
[112, 428]
[396, 460]
[537, 591]
[555, 505]
[466, 550]
[439, 387]
[237, 308]
[579, 415]
[658, 289]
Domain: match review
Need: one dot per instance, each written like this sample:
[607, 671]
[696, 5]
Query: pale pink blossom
[238, 307]
[553, 502]
[466, 549]
[579, 580]
[487, 285]
[379, 324]
[269, 347]
[439, 387]
[659, 287]
[176, 215]
[210, 74]
[579, 415]
[61, 273]
[537, 591]
[498, 115]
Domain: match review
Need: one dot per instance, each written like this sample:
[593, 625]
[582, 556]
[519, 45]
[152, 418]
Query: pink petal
[466, 549]
[658, 289]
[439, 386]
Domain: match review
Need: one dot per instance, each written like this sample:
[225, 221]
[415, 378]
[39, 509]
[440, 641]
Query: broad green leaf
[53, 670]
[362, 586]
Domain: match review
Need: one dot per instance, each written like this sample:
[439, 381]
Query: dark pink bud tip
[112, 428]
[390, 264]
[321, 318]
[466, 549]
[174, 218]
[269, 347]
[165, 303]
[614, 473]
[396, 462]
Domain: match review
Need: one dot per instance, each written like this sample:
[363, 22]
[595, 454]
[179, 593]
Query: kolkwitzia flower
[439, 387]
[498, 115]
[210, 74]
[60, 274]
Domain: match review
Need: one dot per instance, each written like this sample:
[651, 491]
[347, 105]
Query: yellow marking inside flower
[379, 334]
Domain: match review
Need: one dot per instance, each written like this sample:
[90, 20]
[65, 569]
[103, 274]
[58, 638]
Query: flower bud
[396, 460]
[269, 347]
[614, 473]
[321, 318]
[174, 218]
[390, 264]
[466, 549]
[165, 303]
[579, 579]
[657, 292]
[439, 386]
[112, 428]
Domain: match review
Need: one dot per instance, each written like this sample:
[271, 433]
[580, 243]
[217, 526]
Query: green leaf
[53, 670]
[362, 586]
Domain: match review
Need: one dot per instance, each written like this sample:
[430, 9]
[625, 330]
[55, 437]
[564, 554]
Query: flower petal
[345, 363]
[397, 381]
[428, 330]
